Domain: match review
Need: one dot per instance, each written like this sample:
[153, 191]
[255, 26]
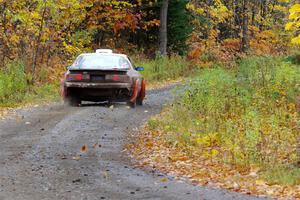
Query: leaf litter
[150, 149]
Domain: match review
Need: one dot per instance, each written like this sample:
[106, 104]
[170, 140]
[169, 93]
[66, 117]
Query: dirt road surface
[41, 157]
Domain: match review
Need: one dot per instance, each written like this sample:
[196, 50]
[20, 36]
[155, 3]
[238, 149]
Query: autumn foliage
[238, 129]
[221, 27]
[48, 34]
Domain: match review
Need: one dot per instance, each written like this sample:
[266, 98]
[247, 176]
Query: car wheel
[139, 101]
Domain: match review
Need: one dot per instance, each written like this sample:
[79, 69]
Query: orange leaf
[83, 149]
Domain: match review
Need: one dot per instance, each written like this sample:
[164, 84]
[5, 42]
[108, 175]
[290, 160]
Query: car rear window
[100, 61]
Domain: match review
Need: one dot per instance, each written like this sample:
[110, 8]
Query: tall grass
[15, 89]
[244, 116]
[164, 68]
[13, 84]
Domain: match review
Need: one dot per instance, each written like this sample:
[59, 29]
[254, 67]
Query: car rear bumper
[99, 85]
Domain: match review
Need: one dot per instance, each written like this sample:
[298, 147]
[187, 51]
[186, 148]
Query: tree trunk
[163, 30]
[3, 42]
[36, 51]
[237, 20]
[245, 37]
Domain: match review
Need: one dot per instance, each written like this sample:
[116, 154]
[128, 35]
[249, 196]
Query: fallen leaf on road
[97, 145]
[105, 175]
[163, 180]
[76, 158]
[153, 149]
[83, 149]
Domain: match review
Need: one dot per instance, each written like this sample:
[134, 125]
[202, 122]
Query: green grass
[15, 90]
[153, 124]
[282, 176]
[13, 83]
[164, 68]
[33, 95]
[44, 93]
[246, 114]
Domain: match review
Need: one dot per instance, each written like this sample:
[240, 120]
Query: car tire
[139, 101]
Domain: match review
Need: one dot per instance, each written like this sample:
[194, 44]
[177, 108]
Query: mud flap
[135, 92]
[143, 91]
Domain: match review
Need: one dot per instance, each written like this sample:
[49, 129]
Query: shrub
[15, 89]
[242, 116]
[12, 83]
[164, 68]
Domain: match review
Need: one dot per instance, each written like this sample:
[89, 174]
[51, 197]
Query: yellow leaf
[293, 16]
[214, 153]
[289, 26]
[260, 182]
[296, 40]
[295, 8]
[163, 180]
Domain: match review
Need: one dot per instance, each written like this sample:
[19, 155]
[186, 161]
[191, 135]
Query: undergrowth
[245, 117]
[15, 87]
[164, 68]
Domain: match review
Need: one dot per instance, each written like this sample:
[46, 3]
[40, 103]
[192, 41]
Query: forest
[45, 35]
[239, 112]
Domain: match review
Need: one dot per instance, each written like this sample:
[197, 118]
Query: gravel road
[41, 157]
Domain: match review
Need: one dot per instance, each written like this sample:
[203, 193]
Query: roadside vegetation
[163, 70]
[241, 121]
[243, 116]
[16, 90]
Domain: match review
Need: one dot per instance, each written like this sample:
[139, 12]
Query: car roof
[114, 54]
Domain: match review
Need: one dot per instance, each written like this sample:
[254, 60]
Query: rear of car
[103, 76]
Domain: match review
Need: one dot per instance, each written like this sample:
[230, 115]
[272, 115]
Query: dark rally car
[103, 76]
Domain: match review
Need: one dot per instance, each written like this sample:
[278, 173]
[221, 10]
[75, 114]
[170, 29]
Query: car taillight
[74, 77]
[115, 78]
